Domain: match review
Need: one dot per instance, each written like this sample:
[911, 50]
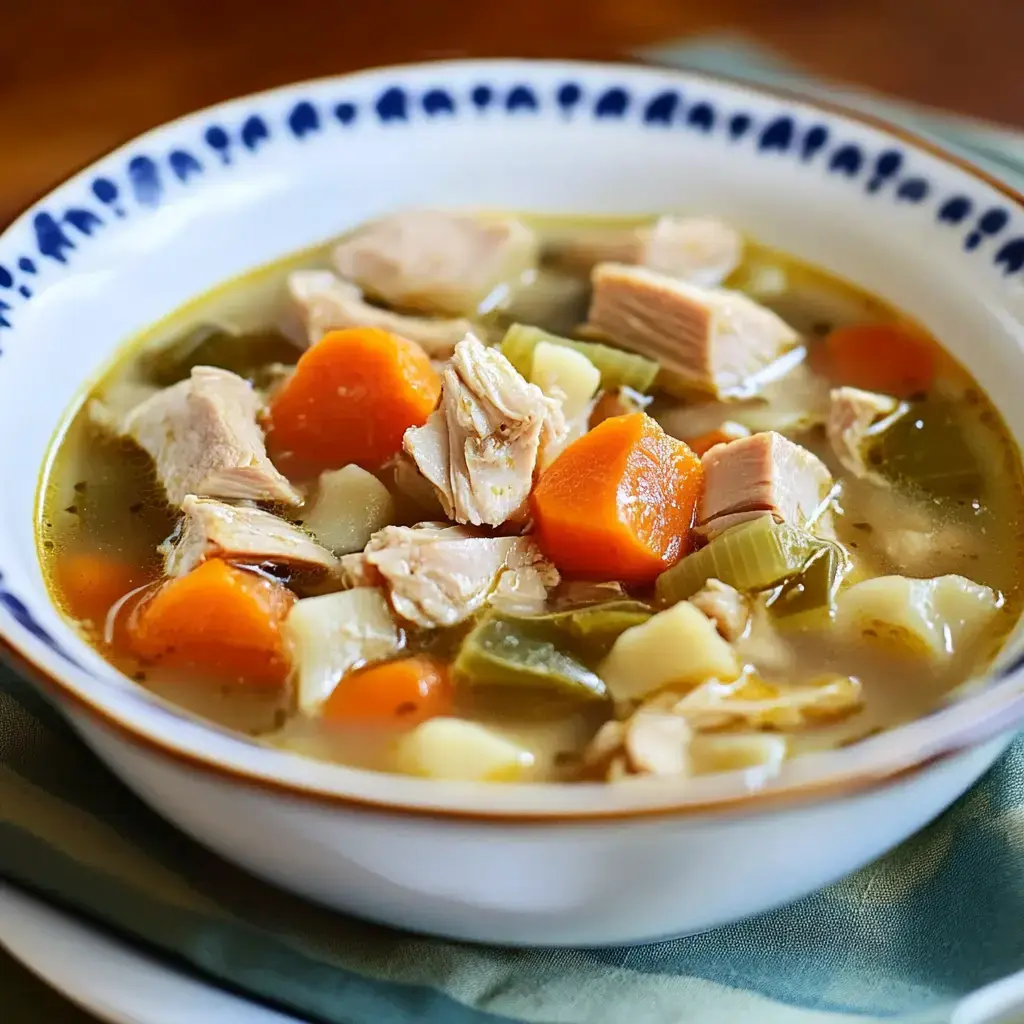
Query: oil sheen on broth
[855, 599]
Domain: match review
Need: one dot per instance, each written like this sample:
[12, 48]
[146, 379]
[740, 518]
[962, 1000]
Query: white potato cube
[350, 505]
[454, 749]
[332, 634]
[934, 618]
[564, 373]
[677, 647]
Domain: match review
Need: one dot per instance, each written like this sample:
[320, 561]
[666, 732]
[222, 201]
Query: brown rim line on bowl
[943, 734]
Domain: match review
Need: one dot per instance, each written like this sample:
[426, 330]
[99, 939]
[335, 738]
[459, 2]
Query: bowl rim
[983, 716]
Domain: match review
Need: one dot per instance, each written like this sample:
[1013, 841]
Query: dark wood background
[78, 77]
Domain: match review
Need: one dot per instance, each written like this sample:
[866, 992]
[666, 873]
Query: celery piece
[520, 652]
[752, 556]
[596, 627]
[812, 591]
[618, 368]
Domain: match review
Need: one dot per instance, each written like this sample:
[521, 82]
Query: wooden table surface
[78, 77]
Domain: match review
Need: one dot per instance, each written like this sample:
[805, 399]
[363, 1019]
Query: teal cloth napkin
[905, 938]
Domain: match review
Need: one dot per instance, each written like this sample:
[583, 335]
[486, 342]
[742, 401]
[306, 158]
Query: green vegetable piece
[926, 449]
[812, 592]
[208, 345]
[596, 627]
[618, 368]
[752, 556]
[514, 652]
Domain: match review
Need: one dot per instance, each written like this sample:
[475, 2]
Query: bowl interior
[222, 191]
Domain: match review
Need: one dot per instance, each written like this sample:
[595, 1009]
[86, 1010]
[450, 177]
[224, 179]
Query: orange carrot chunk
[619, 502]
[891, 358]
[217, 621]
[403, 692]
[91, 583]
[351, 398]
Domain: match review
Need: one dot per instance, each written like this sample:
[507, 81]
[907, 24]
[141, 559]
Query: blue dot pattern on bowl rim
[58, 237]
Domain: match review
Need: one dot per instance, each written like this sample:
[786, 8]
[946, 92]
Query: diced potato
[332, 634]
[452, 748]
[732, 752]
[350, 505]
[677, 647]
[933, 619]
[559, 371]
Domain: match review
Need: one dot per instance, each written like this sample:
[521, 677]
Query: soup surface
[498, 497]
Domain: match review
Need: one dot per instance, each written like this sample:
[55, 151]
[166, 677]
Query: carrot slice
[91, 583]
[727, 432]
[407, 691]
[619, 502]
[894, 359]
[217, 620]
[351, 398]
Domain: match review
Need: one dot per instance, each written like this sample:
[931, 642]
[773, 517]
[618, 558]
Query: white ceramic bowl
[207, 197]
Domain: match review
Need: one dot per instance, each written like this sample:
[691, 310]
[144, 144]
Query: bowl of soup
[528, 502]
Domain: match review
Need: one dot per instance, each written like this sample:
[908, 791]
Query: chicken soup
[493, 497]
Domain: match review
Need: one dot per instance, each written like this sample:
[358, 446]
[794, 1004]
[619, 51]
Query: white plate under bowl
[110, 979]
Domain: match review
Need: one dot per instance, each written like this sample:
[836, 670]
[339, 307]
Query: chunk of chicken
[725, 606]
[439, 575]
[852, 413]
[327, 303]
[481, 447]
[204, 437]
[436, 261]
[758, 474]
[707, 340]
[212, 529]
[701, 250]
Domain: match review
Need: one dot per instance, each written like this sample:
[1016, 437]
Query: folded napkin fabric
[904, 938]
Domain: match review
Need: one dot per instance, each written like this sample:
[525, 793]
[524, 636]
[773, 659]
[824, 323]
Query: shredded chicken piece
[725, 606]
[482, 446]
[657, 742]
[852, 413]
[707, 340]
[436, 261]
[758, 704]
[204, 437]
[327, 303]
[212, 529]
[438, 575]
